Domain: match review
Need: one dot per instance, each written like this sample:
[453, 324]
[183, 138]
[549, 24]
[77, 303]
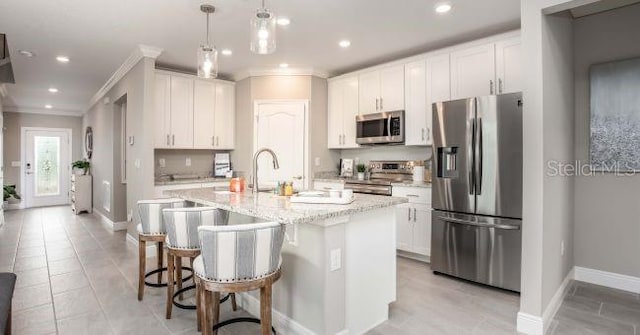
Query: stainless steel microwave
[380, 128]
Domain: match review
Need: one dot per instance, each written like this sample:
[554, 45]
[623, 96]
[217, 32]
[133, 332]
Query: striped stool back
[150, 211]
[182, 224]
[239, 252]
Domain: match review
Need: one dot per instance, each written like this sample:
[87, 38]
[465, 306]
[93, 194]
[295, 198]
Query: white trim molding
[112, 226]
[43, 111]
[279, 72]
[608, 279]
[284, 324]
[140, 52]
[530, 324]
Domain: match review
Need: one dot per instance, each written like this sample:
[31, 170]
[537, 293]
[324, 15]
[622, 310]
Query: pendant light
[263, 31]
[207, 53]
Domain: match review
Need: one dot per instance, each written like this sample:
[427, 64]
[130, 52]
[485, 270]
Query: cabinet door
[181, 112]
[334, 117]
[392, 89]
[404, 227]
[421, 218]
[162, 111]
[509, 66]
[204, 103]
[415, 124]
[225, 116]
[438, 88]
[349, 112]
[473, 72]
[369, 92]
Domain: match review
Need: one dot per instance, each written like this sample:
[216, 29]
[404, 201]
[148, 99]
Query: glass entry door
[46, 167]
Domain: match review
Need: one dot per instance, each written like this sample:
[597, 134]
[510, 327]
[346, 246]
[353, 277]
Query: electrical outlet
[187, 161]
[137, 163]
[336, 259]
[130, 216]
[562, 248]
[162, 162]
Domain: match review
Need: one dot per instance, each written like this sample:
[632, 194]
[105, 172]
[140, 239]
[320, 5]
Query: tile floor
[76, 277]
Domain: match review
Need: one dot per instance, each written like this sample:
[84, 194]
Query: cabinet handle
[422, 134]
[414, 215]
[490, 86]
[409, 214]
[344, 139]
[377, 108]
[217, 141]
[499, 85]
[212, 143]
[381, 103]
[168, 142]
[173, 139]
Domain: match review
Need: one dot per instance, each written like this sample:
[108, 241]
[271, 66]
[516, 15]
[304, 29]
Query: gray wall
[13, 122]
[366, 154]
[606, 206]
[175, 161]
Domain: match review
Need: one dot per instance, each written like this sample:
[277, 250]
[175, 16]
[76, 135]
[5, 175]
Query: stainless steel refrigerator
[477, 189]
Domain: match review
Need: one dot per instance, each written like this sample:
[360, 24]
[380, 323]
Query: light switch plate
[136, 163]
[162, 162]
[317, 161]
[187, 161]
[336, 259]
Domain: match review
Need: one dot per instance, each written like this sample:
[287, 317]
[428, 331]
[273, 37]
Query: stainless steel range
[382, 174]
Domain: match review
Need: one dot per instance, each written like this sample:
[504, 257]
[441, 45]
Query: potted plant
[9, 192]
[361, 168]
[83, 165]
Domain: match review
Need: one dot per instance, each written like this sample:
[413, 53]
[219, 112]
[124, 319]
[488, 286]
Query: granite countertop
[198, 180]
[275, 208]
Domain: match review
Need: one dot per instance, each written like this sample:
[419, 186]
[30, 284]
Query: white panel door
[421, 217]
[404, 227]
[162, 111]
[438, 88]
[181, 112]
[416, 103]
[225, 116]
[281, 128]
[392, 89]
[47, 165]
[509, 65]
[204, 109]
[334, 117]
[369, 92]
[473, 72]
[349, 112]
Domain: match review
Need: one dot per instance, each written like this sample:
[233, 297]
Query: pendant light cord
[208, 40]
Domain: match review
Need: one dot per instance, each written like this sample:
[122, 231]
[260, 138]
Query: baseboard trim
[13, 207]
[535, 325]
[113, 226]
[608, 279]
[282, 323]
[151, 249]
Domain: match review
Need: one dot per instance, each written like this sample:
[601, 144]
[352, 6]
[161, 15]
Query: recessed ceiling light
[442, 8]
[26, 53]
[284, 65]
[283, 21]
[227, 52]
[48, 106]
[345, 43]
[53, 90]
[62, 59]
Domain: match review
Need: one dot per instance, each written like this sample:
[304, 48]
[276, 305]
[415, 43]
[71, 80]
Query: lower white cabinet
[81, 194]
[413, 220]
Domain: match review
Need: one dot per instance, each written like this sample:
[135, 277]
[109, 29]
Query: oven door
[380, 128]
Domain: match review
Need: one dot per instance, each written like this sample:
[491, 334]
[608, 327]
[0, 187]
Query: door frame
[23, 155]
[305, 147]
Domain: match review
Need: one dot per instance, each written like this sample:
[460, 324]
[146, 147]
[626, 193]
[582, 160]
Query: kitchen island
[338, 261]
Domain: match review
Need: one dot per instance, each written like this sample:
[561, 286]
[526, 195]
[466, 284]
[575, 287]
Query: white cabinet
[193, 114]
[509, 66]
[343, 109]
[413, 220]
[473, 72]
[426, 82]
[204, 104]
[225, 116]
[81, 193]
[381, 90]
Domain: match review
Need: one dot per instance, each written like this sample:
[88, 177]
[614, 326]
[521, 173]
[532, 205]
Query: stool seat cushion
[7, 284]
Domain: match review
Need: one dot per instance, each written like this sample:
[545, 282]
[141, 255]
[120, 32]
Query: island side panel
[370, 261]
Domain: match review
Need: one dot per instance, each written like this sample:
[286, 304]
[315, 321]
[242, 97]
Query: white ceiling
[98, 35]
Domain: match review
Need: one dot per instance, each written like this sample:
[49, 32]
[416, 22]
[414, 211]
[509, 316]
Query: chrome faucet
[255, 166]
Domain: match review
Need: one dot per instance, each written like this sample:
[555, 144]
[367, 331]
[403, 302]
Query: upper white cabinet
[343, 109]
[473, 72]
[426, 82]
[509, 66]
[382, 90]
[193, 113]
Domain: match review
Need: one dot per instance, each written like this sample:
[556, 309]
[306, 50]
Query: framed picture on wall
[615, 116]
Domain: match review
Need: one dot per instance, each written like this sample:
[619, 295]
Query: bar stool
[182, 241]
[151, 229]
[237, 258]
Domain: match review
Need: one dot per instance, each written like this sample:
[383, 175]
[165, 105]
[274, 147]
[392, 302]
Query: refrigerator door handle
[471, 133]
[478, 156]
[479, 224]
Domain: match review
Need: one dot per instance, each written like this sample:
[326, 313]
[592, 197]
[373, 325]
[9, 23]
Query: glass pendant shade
[263, 32]
[207, 62]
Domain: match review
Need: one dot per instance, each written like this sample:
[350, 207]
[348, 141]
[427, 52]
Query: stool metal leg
[142, 264]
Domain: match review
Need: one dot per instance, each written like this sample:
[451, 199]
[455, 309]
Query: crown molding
[3, 91]
[42, 111]
[259, 72]
[140, 52]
